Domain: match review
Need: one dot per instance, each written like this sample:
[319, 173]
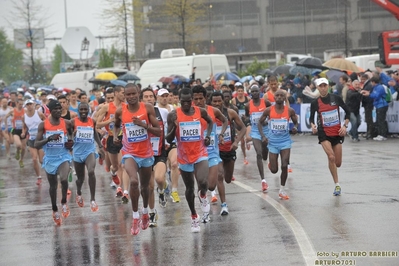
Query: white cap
[321, 81]
[51, 97]
[237, 84]
[28, 101]
[20, 90]
[162, 92]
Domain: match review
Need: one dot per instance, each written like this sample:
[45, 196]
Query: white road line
[308, 252]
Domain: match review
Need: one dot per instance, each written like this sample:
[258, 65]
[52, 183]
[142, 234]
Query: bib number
[330, 118]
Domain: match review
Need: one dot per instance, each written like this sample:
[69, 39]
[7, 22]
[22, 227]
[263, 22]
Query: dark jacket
[367, 102]
[353, 100]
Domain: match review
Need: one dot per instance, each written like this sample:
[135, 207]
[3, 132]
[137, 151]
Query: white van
[154, 69]
[80, 79]
[369, 62]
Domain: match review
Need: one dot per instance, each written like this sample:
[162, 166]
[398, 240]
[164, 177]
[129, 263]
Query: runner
[171, 151]
[240, 101]
[31, 121]
[278, 140]
[329, 130]
[55, 136]
[137, 155]
[84, 153]
[147, 95]
[6, 125]
[227, 149]
[66, 113]
[20, 142]
[106, 118]
[184, 124]
[199, 99]
[254, 110]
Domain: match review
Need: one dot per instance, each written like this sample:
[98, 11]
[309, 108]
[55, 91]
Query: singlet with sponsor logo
[158, 143]
[55, 148]
[229, 134]
[278, 125]
[84, 136]
[190, 137]
[270, 97]
[32, 123]
[328, 117]
[17, 118]
[110, 114]
[135, 140]
[241, 105]
[255, 112]
[213, 148]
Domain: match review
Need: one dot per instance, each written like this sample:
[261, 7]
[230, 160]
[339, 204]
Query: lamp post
[210, 26]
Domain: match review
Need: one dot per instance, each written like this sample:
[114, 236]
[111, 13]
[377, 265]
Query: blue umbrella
[295, 69]
[128, 76]
[334, 75]
[246, 78]
[118, 82]
[226, 76]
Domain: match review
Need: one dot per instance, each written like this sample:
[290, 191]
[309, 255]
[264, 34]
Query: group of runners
[139, 136]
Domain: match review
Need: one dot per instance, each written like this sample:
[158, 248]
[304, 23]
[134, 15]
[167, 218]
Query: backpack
[388, 96]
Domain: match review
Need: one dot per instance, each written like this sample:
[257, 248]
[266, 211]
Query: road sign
[23, 36]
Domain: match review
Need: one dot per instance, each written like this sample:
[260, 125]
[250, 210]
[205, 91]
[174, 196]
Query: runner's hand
[69, 144]
[207, 141]
[101, 153]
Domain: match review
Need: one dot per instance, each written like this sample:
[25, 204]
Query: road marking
[308, 252]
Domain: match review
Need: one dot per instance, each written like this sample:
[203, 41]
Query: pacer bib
[278, 126]
[190, 131]
[135, 133]
[84, 134]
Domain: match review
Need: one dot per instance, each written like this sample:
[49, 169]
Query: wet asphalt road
[312, 225]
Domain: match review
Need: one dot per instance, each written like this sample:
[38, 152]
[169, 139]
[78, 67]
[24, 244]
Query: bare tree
[26, 14]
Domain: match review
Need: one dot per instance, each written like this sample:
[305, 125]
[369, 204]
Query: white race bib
[190, 131]
[33, 133]
[255, 118]
[226, 135]
[278, 126]
[212, 141]
[330, 118]
[135, 133]
[18, 124]
[84, 135]
[59, 143]
[241, 112]
[112, 124]
[155, 145]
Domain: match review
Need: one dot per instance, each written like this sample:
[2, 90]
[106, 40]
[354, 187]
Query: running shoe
[69, 192]
[106, 168]
[145, 221]
[57, 218]
[289, 168]
[65, 210]
[39, 181]
[337, 191]
[205, 207]
[167, 190]
[214, 199]
[100, 160]
[113, 185]
[21, 164]
[248, 146]
[125, 198]
[135, 230]
[116, 179]
[265, 186]
[79, 201]
[283, 195]
[233, 178]
[245, 161]
[18, 155]
[153, 218]
[225, 209]
[195, 224]
[119, 192]
[162, 200]
[93, 206]
[175, 196]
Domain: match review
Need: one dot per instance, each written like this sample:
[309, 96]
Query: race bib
[59, 143]
[112, 124]
[212, 141]
[33, 133]
[155, 145]
[278, 126]
[255, 118]
[18, 124]
[241, 112]
[330, 118]
[84, 135]
[226, 135]
[135, 133]
[190, 131]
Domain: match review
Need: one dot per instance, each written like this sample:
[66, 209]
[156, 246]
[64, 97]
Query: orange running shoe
[145, 221]
[135, 230]
[57, 218]
[65, 210]
[69, 192]
[39, 181]
[233, 178]
[283, 195]
[265, 186]
[116, 179]
[93, 206]
[214, 199]
[119, 192]
[289, 168]
[100, 160]
[245, 161]
[79, 201]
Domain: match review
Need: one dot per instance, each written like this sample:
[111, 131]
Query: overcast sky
[79, 13]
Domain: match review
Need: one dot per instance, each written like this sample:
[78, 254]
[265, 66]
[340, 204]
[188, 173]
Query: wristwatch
[346, 126]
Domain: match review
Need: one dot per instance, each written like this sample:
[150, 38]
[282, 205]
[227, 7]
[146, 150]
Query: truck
[370, 62]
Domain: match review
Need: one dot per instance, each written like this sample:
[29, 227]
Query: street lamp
[210, 23]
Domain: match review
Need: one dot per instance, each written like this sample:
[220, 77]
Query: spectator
[353, 100]
[367, 103]
[343, 80]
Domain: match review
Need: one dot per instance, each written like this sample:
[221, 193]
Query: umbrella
[295, 69]
[18, 84]
[341, 64]
[265, 72]
[246, 78]
[179, 79]
[106, 76]
[165, 79]
[99, 81]
[283, 69]
[311, 62]
[118, 82]
[128, 76]
[226, 76]
[334, 75]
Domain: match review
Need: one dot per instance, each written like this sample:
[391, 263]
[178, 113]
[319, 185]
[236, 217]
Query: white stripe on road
[302, 238]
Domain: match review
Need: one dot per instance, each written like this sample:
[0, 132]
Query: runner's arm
[239, 124]
[155, 129]
[117, 123]
[100, 114]
[262, 119]
[172, 117]
[208, 119]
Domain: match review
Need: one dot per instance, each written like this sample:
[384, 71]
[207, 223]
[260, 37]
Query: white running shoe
[195, 225]
[225, 209]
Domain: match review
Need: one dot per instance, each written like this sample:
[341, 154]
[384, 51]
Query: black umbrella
[311, 62]
[283, 69]
[128, 76]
